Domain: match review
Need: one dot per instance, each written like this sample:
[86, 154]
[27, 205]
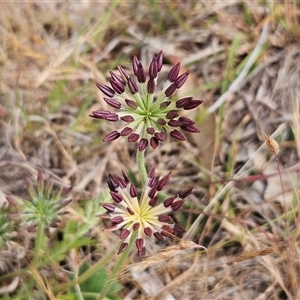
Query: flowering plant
[149, 115]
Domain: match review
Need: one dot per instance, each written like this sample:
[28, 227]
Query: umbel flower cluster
[149, 114]
[43, 206]
[131, 212]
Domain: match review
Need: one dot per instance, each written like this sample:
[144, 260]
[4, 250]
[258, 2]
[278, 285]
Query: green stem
[140, 160]
[38, 244]
[37, 248]
[117, 267]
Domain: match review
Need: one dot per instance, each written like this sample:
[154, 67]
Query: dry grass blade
[260, 252]
[167, 253]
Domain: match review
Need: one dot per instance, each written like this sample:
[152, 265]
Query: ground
[244, 63]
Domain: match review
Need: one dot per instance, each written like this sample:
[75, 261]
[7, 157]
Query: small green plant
[42, 210]
[149, 115]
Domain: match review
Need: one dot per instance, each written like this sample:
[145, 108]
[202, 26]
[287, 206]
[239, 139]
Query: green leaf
[95, 283]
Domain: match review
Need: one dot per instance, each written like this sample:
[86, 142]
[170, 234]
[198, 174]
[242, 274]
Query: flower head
[144, 214]
[43, 206]
[149, 114]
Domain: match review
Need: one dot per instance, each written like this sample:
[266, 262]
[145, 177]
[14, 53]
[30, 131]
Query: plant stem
[38, 244]
[140, 160]
[117, 267]
[37, 248]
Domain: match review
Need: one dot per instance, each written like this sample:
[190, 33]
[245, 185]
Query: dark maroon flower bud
[152, 192]
[111, 136]
[139, 242]
[151, 172]
[124, 233]
[131, 103]
[112, 117]
[117, 78]
[161, 122]
[160, 136]
[113, 102]
[153, 181]
[173, 73]
[132, 86]
[104, 114]
[185, 121]
[158, 236]
[177, 135]
[148, 231]
[133, 137]
[177, 204]
[127, 119]
[164, 218]
[190, 128]
[100, 114]
[168, 201]
[151, 86]
[108, 206]
[159, 60]
[124, 74]
[136, 226]
[193, 104]
[143, 143]
[178, 228]
[153, 201]
[117, 219]
[153, 68]
[165, 104]
[174, 123]
[150, 130]
[185, 192]
[179, 82]
[125, 176]
[141, 74]
[154, 142]
[121, 182]
[162, 183]
[117, 86]
[122, 247]
[172, 114]
[170, 90]
[133, 191]
[183, 102]
[106, 90]
[116, 197]
[135, 64]
[126, 131]
[112, 185]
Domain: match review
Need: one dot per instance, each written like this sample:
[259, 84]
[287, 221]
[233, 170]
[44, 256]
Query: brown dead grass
[51, 55]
